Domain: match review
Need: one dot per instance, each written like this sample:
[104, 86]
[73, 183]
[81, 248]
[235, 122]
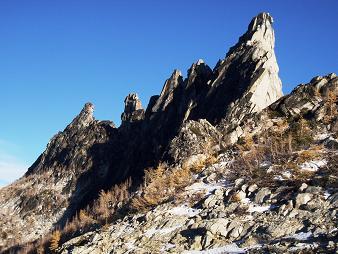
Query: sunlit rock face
[257, 46]
[248, 77]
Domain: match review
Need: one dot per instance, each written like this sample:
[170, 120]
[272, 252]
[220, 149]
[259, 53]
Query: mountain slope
[275, 191]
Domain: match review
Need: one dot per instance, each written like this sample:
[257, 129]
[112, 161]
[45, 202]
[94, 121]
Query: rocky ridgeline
[270, 187]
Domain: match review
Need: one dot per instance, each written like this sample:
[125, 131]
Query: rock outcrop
[314, 101]
[133, 111]
[309, 98]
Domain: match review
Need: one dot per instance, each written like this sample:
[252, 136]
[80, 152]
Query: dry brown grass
[287, 149]
[330, 107]
[196, 166]
[109, 201]
[163, 183]
[160, 185]
[284, 149]
[314, 152]
[55, 240]
[245, 143]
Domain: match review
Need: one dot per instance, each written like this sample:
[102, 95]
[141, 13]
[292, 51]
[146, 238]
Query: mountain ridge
[191, 119]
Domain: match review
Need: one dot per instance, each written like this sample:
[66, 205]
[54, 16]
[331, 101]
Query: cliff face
[202, 113]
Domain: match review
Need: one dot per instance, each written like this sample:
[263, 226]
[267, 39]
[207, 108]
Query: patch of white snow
[163, 231]
[326, 195]
[209, 188]
[322, 136]
[301, 236]
[230, 248]
[259, 209]
[266, 164]
[313, 166]
[184, 211]
[245, 200]
[287, 174]
[303, 246]
[168, 246]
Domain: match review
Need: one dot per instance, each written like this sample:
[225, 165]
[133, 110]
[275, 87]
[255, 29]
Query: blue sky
[57, 55]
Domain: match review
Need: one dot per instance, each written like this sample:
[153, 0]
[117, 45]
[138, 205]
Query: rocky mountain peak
[200, 61]
[85, 117]
[201, 69]
[133, 110]
[247, 80]
[259, 33]
[260, 30]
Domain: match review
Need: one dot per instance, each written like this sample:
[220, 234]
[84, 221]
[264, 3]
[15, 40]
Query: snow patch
[168, 246]
[301, 236]
[266, 164]
[270, 169]
[184, 211]
[163, 231]
[209, 188]
[278, 178]
[231, 248]
[245, 201]
[313, 166]
[258, 209]
[326, 195]
[304, 246]
[287, 174]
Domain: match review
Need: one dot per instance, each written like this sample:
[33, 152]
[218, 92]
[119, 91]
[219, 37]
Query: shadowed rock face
[90, 155]
[80, 160]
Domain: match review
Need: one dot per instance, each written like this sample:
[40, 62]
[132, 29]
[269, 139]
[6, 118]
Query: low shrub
[163, 183]
[55, 240]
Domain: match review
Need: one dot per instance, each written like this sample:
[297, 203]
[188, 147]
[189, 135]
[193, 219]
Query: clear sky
[57, 55]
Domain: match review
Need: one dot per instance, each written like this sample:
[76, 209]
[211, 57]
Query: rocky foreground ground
[219, 215]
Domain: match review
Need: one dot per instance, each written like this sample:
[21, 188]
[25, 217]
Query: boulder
[303, 199]
[218, 227]
[262, 195]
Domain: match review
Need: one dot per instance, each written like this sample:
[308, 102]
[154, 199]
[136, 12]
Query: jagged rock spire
[260, 31]
[167, 92]
[198, 70]
[84, 118]
[250, 71]
[266, 86]
[133, 110]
